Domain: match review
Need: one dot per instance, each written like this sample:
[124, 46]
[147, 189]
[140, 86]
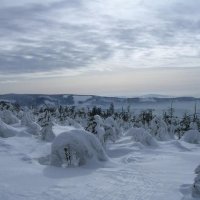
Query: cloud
[62, 35]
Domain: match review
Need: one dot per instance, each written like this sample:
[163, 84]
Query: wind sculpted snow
[132, 172]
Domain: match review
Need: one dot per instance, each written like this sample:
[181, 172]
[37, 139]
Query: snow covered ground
[133, 171]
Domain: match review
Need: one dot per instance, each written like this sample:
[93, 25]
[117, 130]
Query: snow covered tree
[159, 129]
[76, 148]
[46, 131]
[184, 125]
[27, 120]
[142, 136]
[8, 117]
[196, 185]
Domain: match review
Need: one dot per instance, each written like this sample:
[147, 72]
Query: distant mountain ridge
[87, 100]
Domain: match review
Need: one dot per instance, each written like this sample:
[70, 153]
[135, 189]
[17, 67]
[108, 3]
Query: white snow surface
[133, 172]
[192, 136]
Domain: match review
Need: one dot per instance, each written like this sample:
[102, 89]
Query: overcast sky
[114, 47]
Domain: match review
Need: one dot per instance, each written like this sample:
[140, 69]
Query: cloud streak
[74, 34]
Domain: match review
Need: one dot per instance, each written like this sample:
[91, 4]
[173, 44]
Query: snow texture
[47, 133]
[32, 127]
[76, 147]
[196, 185]
[8, 117]
[142, 136]
[197, 170]
[159, 129]
[6, 130]
[192, 136]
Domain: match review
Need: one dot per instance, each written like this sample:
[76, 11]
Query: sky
[112, 48]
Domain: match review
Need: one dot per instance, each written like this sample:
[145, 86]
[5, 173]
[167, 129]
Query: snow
[159, 129]
[82, 144]
[6, 130]
[32, 127]
[142, 136]
[132, 172]
[8, 117]
[47, 133]
[78, 99]
[196, 187]
[139, 164]
[192, 136]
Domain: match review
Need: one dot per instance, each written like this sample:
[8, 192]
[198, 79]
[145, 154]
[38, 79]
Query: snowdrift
[75, 148]
[191, 136]
[142, 136]
[6, 130]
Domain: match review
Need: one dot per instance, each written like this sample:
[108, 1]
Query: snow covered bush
[32, 127]
[197, 170]
[193, 126]
[159, 129]
[47, 124]
[196, 185]
[8, 117]
[72, 122]
[104, 129]
[75, 148]
[110, 122]
[6, 130]
[192, 136]
[47, 133]
[99, 129]
[142, 136]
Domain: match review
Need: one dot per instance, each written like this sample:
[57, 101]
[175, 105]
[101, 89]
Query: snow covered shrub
[47, 133]
[104, 130]
[110, 122]
[32, 127]
[75, 148]
[72, 122]
[6, 130]
[194, 126]
[99, 129]
[142, 136]
[192, 136]
[159, 129]
[8, 117]
[196, 185]
[197, 170]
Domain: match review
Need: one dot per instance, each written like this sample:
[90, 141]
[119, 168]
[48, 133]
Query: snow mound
[6, 130]
[196, 185]
[142, 136]
[8, 117]
[192, 136]
[75, 148]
